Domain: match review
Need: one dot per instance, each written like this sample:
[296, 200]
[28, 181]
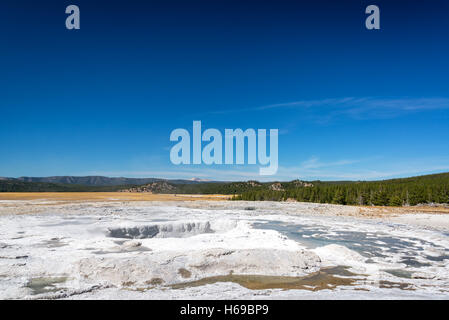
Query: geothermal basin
[218, 250]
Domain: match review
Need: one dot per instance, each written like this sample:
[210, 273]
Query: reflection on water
[326, 278]
[400, 273]
[45, 285]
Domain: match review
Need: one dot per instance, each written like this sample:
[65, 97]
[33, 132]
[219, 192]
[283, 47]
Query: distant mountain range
[100, 181]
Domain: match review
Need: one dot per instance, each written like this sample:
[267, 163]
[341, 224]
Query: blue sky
[349, 103]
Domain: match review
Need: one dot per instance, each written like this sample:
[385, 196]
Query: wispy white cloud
[362, 174]
[314, 169]
[361, 108]
[385, 108]
[183, 172]
[314, 163]
[283, 174]
[310, 169]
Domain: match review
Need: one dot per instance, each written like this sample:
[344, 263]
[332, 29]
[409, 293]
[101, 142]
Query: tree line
[395, 192]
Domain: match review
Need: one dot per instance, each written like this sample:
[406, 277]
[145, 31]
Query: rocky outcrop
[254, 183]
[299, 183]
[155, 187]
[277, 186]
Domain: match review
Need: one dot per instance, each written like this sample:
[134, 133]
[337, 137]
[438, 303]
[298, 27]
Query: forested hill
[394, 192]
[22, 186]
[97, 181]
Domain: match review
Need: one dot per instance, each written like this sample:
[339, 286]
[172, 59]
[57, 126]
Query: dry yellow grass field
[106, 196]
[397, 210]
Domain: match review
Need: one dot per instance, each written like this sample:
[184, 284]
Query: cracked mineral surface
[218, 250]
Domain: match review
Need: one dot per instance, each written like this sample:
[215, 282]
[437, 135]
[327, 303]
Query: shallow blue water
[369, 245]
